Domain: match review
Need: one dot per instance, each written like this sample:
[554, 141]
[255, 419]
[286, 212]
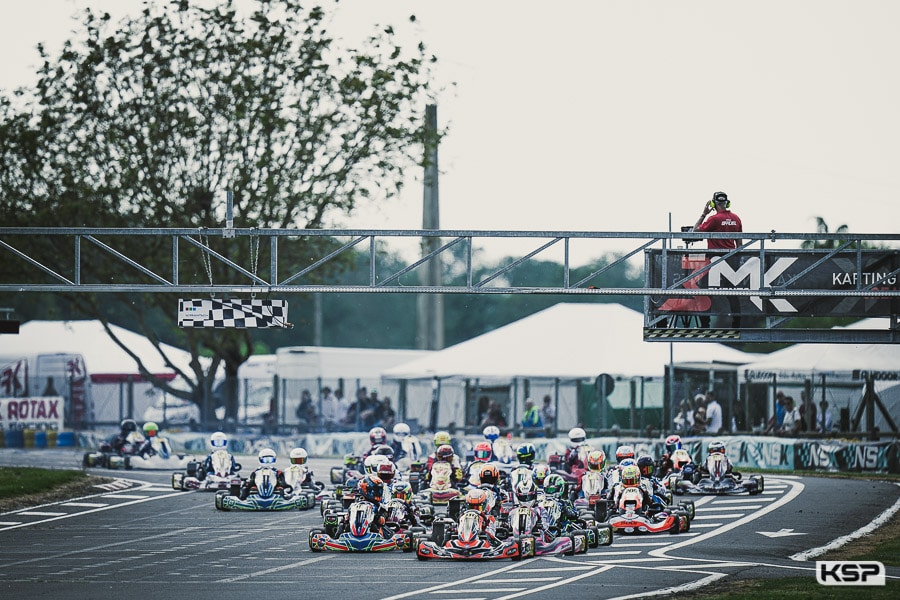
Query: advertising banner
[794, 269]
[43, 412]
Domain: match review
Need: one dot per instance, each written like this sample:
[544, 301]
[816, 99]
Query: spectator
[332, 415]
[684, 420]
[531, 420]
[792, 421]
[737, 418]
[700, 421]
[483, 404]
[548, 414]
[713, 414]
[826, 421]
[370, 409]
[494, 416]
[385, 414]
[777, 419]
[807, 422]
[306, 412]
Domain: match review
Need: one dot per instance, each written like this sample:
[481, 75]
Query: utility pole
[430, 335]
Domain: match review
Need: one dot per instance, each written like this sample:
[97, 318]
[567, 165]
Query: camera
[685, 228]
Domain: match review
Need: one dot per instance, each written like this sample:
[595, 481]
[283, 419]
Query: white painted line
[622, 553]
[708, 517]
[125, 496]
[479, 591]
[702, 525]
[797, 488]
[640, 544]
[5, 523]
[37, 513]
[308, 561]
[523, 579]
[739, 500]
[85, 504]
[549, 586]
[694, 585]
[707, 509]
[555, 569]
[158, 489]
[881, 519]
[85, 512]
[458, 582]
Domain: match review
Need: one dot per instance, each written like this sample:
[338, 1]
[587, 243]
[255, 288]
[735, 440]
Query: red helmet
[489, 474]
[378, 435]
[477, 499]
[483, 451]
[444, 453]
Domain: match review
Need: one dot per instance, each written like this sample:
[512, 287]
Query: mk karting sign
[789, 270]
[31, 413]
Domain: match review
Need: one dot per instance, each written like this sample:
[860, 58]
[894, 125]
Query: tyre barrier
[28, 438]
[40, 439]
[2, 438]
[65, 439]
[15, 438]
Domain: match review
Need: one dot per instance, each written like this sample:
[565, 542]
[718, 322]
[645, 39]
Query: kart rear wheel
[438, 533]
[688, 507]
[313, 532]
[606, 531]
[676, 526]
[593, 536]
[219, 497]
[419, 554]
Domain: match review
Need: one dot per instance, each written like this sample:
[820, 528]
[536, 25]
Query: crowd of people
[333, 412]
[704, 416]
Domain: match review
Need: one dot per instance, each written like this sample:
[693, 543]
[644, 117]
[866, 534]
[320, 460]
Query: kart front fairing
[265, 495]
[358, 534]
[471, 543]
[159, 455]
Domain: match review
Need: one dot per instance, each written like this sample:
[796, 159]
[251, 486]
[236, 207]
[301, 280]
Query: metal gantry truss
[64, 273]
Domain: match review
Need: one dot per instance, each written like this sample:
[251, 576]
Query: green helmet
[555, 485]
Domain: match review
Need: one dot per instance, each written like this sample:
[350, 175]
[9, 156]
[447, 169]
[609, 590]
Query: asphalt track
[142, 538]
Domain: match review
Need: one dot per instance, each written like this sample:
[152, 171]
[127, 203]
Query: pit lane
[152, 540]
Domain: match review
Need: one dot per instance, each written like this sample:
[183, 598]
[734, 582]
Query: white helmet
[577, 435]
[370, 465]
[218, 440]
[401, 430]
[267, 456]
[491, 432]
[298, 456]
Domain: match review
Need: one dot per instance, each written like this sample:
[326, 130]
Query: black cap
[720, 197]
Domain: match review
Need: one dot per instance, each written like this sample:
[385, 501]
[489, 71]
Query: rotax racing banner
[43, 412]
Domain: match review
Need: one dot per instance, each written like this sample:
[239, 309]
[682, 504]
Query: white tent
[835, 361]
[566, 341]
[101, 354]
[116, 387]
[545, 354]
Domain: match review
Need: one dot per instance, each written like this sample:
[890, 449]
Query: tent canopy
[802, 361]
[566, 341]
[102, 356]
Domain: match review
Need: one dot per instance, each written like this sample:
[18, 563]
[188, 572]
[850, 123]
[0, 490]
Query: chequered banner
[691, 334]
[233, 314]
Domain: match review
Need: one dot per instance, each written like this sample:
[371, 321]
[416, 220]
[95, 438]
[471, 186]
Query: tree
[143, 123]
[822, 227]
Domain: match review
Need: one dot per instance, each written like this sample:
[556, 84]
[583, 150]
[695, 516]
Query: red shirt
[725, 221]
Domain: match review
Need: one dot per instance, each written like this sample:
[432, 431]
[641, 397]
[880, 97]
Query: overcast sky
[609, 116]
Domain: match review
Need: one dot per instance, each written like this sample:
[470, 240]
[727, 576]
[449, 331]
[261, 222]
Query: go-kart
[469, 542]
[593, 497]
[441, 491]
[631, 516]
[598, 534]
[299, 478]
[355, 531]
[351, 469]
[137, 453]
[714, 480]
[221, 477]
[262, 492]
[523, 525]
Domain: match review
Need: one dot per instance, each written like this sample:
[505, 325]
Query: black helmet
[128, 425]
[645, 464]
[384, 450]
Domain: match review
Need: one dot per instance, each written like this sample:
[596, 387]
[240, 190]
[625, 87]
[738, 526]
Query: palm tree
[822, 227]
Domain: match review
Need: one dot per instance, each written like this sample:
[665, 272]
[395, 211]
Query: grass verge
[26, 486]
